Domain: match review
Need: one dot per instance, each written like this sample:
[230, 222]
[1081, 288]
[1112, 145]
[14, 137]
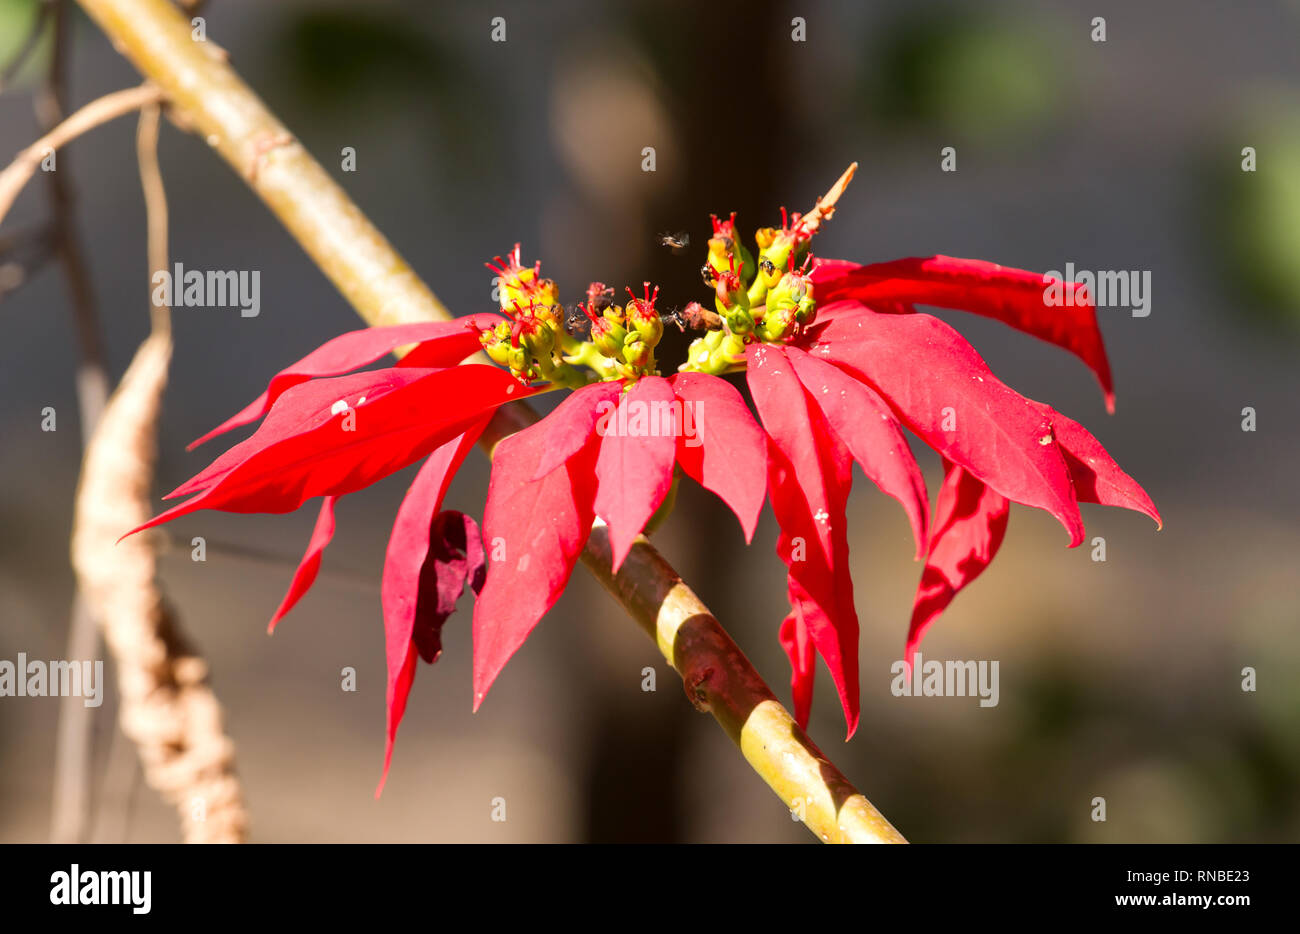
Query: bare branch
[167, 708]
[155, 207]
[97, 112]
[70, 812]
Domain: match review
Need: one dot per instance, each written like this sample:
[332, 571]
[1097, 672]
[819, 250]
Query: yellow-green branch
[206, 95]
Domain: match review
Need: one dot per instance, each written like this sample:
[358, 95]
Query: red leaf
[404, 562]
[386, 433]
[442, 344]
[795, 639]
[846, 308]
[970, 521]
[308, 568]
[1097, 478]
[534, 530]
[728, 453]
[864, 423]
[922, 367]
[455, 559]
[809, 477]
[1013, 296]
[573, 421]
[300, 408]
[634, 469]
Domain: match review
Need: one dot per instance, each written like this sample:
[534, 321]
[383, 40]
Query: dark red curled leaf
[455, 559]
[798, 645]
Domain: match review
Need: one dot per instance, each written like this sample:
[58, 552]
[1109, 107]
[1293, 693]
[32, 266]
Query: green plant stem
[206, 95]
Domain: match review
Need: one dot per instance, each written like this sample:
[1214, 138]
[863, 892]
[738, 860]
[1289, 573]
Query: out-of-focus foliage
[16, 20]
[1256, 223]
[976, 76]
[346, 58]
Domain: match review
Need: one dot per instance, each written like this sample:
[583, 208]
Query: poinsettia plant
[838, 364]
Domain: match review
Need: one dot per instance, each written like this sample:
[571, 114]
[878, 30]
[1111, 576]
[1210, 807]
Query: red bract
[377, 423]
[534, 528]
[808, 481]
[634, 469]
[943, 391]
[441, 344]
[970, 521]
[731, 456]
[309, 567]
[413, 615]
[608, 450]
[1013, 296]
[870, 366]
[331, 436]
[542, 498]
[838, 363]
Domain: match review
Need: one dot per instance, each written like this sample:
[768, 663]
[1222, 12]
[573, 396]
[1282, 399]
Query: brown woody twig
[167, 707]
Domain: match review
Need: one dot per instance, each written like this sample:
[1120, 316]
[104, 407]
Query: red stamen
[509, 267]
[644, 305]
[725, 228]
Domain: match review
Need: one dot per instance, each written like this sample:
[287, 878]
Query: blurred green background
[1119, 679]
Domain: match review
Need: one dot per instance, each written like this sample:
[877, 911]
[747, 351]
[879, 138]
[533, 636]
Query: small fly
[576, 321]
[693, 317]
[677, 242]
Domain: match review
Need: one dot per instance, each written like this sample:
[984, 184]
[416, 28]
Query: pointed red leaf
[634, 469]
[441, 344]
[404, 561]
[1097, 478]
[864, 423]
[809, 477]
[721, 447]
[944, 392]
[533, 530]
[970, 521]
[1013, 296]
[358, 445]
[300, 408]
[797, 642]
[574, 420]
[308, 568]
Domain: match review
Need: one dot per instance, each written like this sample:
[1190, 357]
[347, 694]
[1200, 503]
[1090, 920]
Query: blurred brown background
[1120, 679]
